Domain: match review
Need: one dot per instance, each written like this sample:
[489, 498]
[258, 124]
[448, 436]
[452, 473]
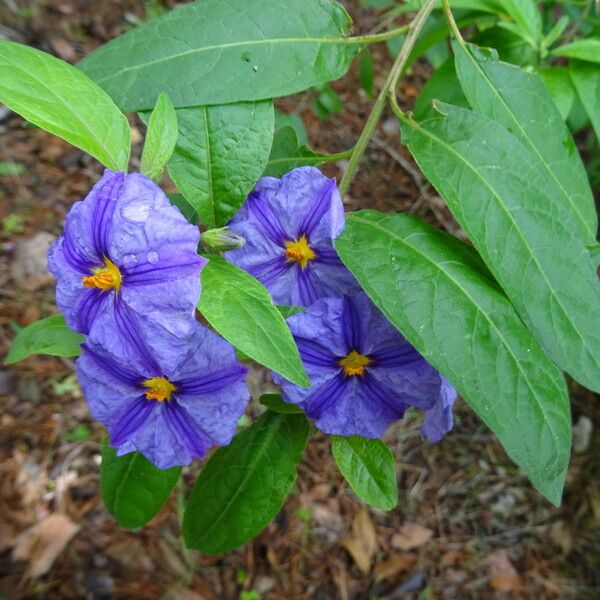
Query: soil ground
[468, 524]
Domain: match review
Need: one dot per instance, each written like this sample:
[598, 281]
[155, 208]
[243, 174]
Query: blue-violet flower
[169, 401]
[364, 374]
[289, 225]
[126, 246]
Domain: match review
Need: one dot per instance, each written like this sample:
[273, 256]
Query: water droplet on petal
[129, 260]
[152, 257]
[137, 211]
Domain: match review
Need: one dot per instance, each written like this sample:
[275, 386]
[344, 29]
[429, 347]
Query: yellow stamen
[159, 388]
[105, 278]
[355, 363]
[299, 251]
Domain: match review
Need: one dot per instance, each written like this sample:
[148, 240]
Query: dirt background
[468, 524]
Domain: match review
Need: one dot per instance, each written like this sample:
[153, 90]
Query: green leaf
[220, 154]
[586, 49]
[133, 489]
[243, 485]
[511, 47]
[160, 138]
[519, 101]
[442, 85]
[586, 79]
[289, 310]
[287, 153]
[527, 18]
[186, 209]
[368, 467]
[560, 87]
[218, 52]
[505, 204]
[60, 99]
[48, 336]
[438, 293]
[276, 404]
[242, 311]
[556, 31]
[293, 120]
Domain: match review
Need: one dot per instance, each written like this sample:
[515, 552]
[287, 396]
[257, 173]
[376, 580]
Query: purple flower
[168, 401]
[289, 225]
[364, 374]
[126, 246]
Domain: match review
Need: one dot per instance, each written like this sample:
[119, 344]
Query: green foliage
[133, 489]
[507, 206]
[586, 79]
[368, 467]
[276, 404]
[287, 153]
[215, 52]
[60, 99]
[327, 102]
[243, 485]
[587, 49]
[518, 100]
[220, 153]
[473, 336]
[47, 336]
[160, 138]
[560, 87]
[242, 311]
[366, 72]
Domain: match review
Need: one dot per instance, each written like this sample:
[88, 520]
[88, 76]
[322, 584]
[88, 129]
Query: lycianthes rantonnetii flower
[363, 373]
[126, 245]
[168, 400]
[289, 225]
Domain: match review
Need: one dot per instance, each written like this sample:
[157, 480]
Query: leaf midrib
[250, 43]
[473, 302]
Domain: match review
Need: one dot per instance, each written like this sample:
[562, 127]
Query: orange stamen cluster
[104, 278]
[299, 251]
[355, 364]
[159, 388]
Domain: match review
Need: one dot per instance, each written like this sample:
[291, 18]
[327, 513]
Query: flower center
[104, 278]
[299, 251]
[355, 363]
[159, 388]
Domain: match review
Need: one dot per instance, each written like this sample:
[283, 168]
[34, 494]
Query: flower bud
[221, 240]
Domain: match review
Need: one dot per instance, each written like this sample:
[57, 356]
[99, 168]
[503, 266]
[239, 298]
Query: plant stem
[389, 86]
[451, 22]
[378, 37]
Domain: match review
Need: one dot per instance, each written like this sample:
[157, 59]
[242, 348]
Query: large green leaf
[368, 467]
[504, 202]
[586, 79]
[48, 336]
[518, 100]
[587, 49]
[161, 138]
[220, 154]
[60, 99]
[222, 51]
[132, 488]
[240, 308]
[526, 16]
[438, 293]
[243, 485]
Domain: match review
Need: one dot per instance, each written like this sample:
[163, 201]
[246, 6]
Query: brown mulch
[468, 524]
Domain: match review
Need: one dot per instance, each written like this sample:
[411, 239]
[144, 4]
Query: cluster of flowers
[363, 373]
[128, 277]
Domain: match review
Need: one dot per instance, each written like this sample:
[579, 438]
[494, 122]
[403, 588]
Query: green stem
[451, 22]
[384, 36]
[413, 31]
